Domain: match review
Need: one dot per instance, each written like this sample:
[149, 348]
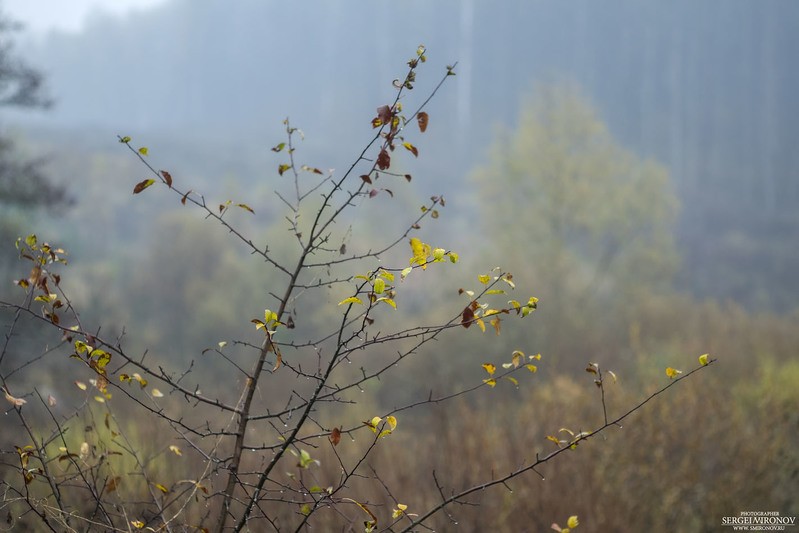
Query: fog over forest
[705, 88]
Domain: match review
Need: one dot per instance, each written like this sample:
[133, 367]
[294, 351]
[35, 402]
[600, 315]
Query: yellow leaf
[420, 253]
[453, 257]
[405, 272]
[379, 285]
[512, 380]
[387, 275]
[703, 359]
[531, 368]
[138, 524]
[490, 382]
[613, 375]
[484, 278]
[554, 439]
[373, 423]
[399, 511]
[489, 368]
[80, 385]
[157, 393]
[496, 323]
[162, 488]
[392, 422]
[438, 254]
[174, 449]
[673, 372]
[351, 300]
[572, 522]
[389, 301]
[143, 150]
[481, 324]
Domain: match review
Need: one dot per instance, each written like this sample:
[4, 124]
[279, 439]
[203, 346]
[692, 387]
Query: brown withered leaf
[422, 118]
[384, 114]
[467, 317]
[183, 200]
[142, 185]
[383, 160]
[408, 177]
[290, 323]
[366, 179]
[112, 484]
[167, 178]
[335, 436]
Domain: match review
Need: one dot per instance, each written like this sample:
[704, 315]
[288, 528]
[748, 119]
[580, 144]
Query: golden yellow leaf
[351, 300]
[572, 522]
[489, 368]
[399, 510]
[703, 359]
[490, 382]
[673, 372]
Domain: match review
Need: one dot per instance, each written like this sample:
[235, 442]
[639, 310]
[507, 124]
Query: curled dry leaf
[16, 402]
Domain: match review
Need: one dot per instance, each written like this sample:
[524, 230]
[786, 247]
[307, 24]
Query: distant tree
[592, 221]
[22, 182]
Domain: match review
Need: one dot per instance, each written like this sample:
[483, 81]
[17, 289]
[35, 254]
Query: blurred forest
[634, 163]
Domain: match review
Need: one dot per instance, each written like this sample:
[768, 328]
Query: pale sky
[40, 16]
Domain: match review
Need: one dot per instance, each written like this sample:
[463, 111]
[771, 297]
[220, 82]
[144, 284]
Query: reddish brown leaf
[383, 160]
[467, 317]
[142, 185]
[111, 486]
[384, 113]
[183, 200]
[366, 179]
[422, 118]
[335, 436]
[167, 178]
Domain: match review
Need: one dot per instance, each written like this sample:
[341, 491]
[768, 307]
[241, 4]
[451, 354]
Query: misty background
[704, 88]
[695, 100]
